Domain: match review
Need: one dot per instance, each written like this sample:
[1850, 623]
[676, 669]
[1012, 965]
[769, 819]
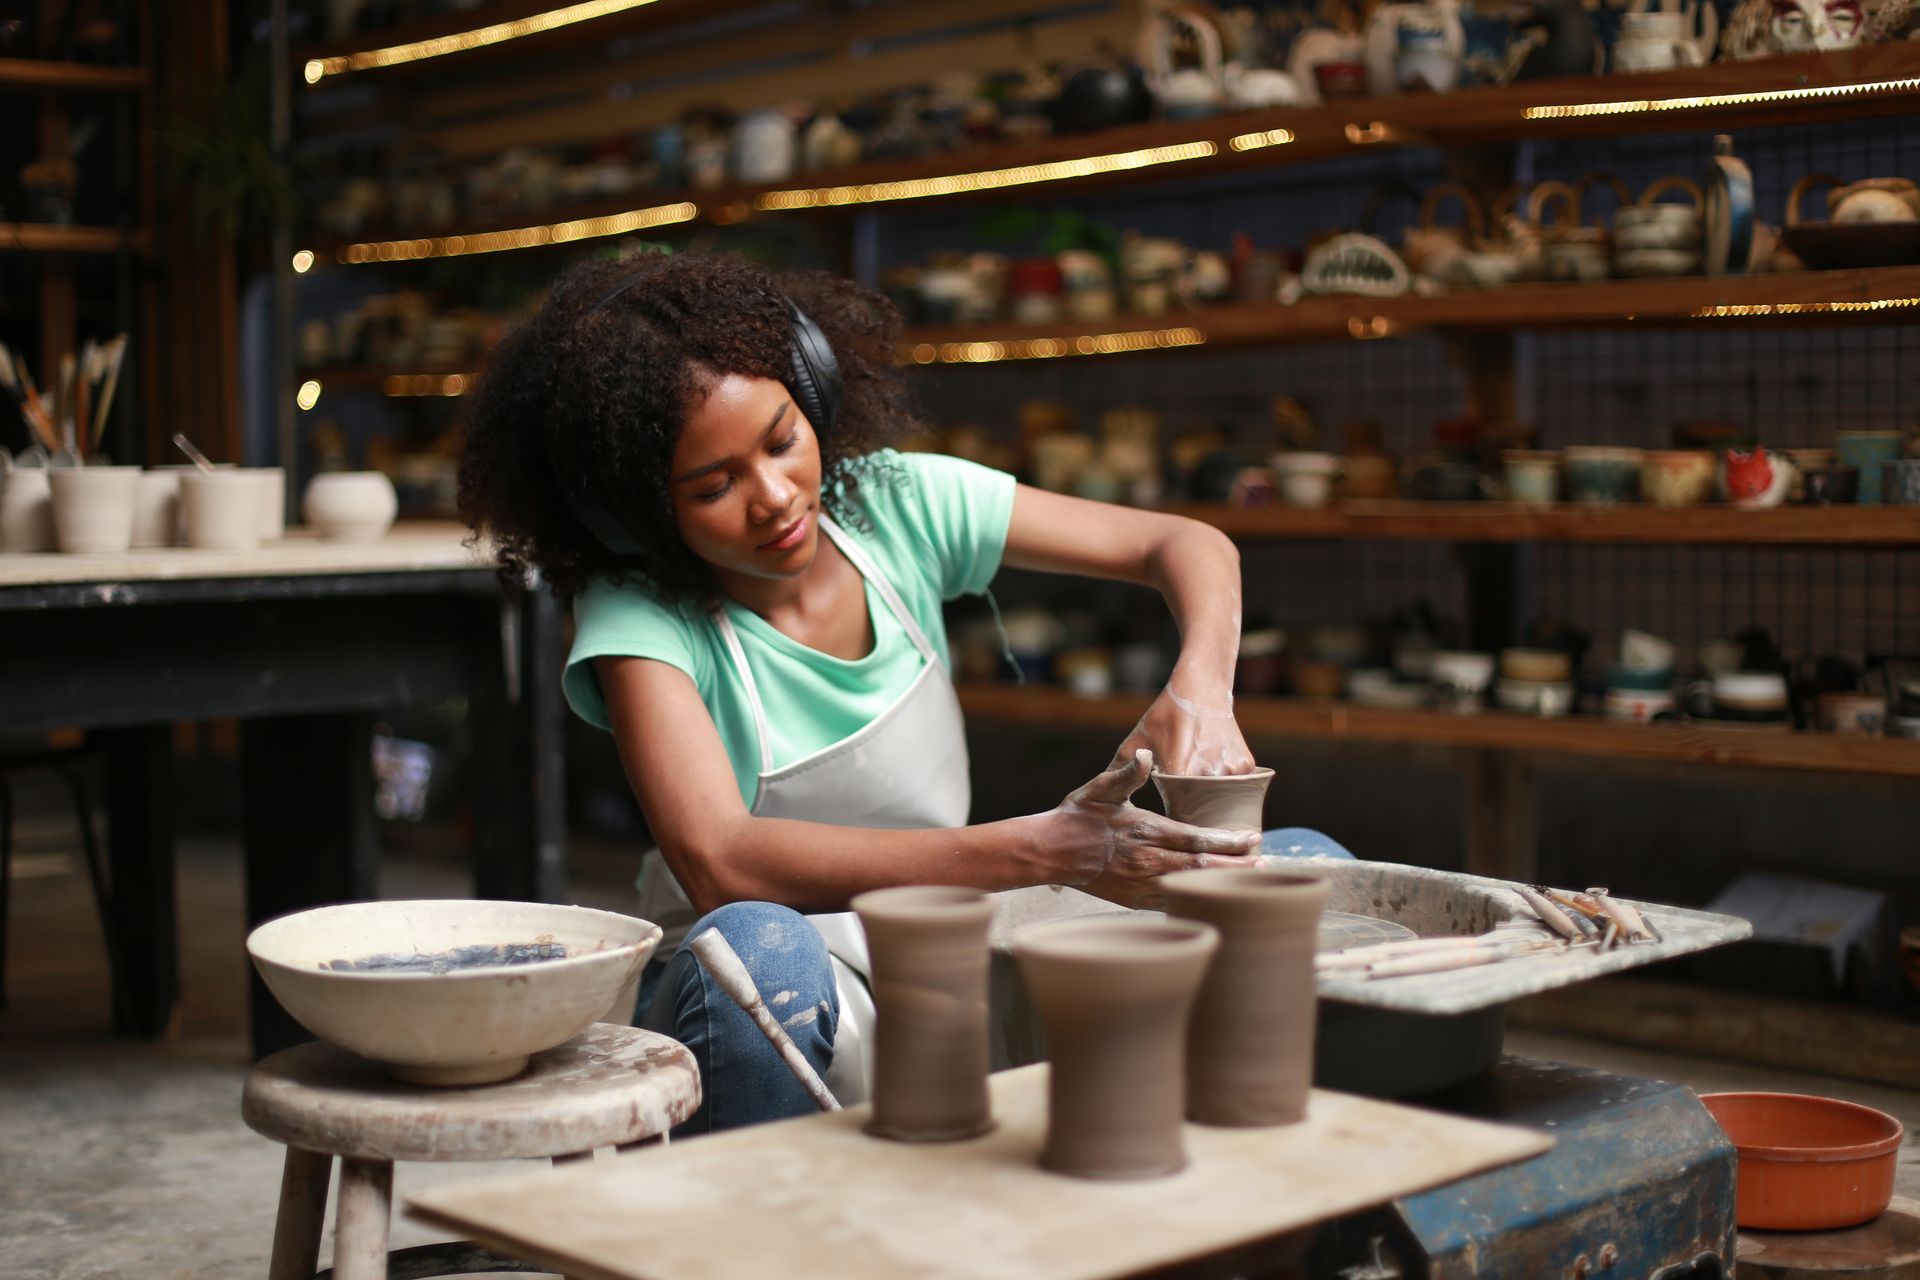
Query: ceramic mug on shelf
[1900, 482]
[1870, 451]
[1677, 477]
[1305, 479]
[1533, 476]
[1656, 41]
[1602, 475]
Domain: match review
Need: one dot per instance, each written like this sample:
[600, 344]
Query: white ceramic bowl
[1751, 690]
[465, 1026]
[351, 506]
[1470, 672]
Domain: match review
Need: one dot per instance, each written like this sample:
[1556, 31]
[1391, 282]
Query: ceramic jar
[1433, 250]
[1250, 1037]
[1114, 994]
[1655, 239]
[1900, 482]
[1656, 41]
[1533, 476]
[93, 507]
[156, 509]
[221, 509]
[1369, 475]
[1830, 486]
[1870, 451]
[26, 510]
[350, 506]
[1602, 475]
[929, 956]
[1462, 678]
[270, 485]
[1305, 479]
[1851, 713]
[765, 146]
[1677, 477]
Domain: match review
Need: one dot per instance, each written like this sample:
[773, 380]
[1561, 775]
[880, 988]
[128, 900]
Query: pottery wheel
[1888, 1248]
[1338, 931]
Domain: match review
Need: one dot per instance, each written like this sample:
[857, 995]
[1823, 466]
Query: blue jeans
[742, 1077]
[1300, 842]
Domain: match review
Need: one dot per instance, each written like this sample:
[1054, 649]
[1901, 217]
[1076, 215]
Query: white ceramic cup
[272, 483]
[156, 509]
[222, 509]
[1466, 672]
[93, 508]
[26, 510]
[350, 506]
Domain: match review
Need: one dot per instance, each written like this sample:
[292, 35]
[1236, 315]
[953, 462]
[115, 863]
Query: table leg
[365, 1214]
[308, 826]
[140, 898]
[519, 785]
[1502, 817]
[303, 1207]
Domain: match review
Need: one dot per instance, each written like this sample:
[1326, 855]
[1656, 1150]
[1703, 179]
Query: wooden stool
[607, 1087]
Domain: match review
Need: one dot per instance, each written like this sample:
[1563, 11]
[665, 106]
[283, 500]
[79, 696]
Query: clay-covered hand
[1188, 738]
[1116, 851]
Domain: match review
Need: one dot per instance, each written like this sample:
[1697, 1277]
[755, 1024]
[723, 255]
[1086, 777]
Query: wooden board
[1319, 719]
[46, 73]
[37, 237]
[409, 546]
[817, 1198]
[1888, 1248]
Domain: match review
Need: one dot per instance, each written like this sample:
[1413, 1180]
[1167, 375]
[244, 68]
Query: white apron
[907, 769]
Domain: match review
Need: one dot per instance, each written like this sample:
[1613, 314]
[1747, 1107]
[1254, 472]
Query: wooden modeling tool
[724, 967]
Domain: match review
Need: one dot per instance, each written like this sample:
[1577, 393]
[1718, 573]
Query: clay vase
[929, 951]
[1113, 994]
[1250, 1039]
[1231, 802]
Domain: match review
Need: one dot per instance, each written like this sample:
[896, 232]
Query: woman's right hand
[1115, 851]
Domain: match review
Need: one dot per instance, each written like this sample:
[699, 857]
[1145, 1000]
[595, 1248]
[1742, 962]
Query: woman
[693, 453]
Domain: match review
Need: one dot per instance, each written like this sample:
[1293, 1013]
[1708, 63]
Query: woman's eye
[786, 444]
[714, 495]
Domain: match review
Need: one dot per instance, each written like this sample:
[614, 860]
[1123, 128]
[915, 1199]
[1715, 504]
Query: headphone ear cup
[815, 380]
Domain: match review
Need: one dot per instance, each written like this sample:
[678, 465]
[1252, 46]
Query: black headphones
[813, 381]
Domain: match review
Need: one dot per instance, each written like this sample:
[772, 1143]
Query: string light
[303, 262]
[1090, 344]
[425, 384]
[1255, 141]
[985, 179]
[1738, 309]
[317, 69]
[308, 395]
[613, 224]
[1577, 110]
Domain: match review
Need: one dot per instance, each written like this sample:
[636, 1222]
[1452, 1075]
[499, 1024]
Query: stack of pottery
[1533, 476]
[1653, 239]
[1677, 477]
[1571, 250]
[1460, 679]
[1640, 684]
[1757, 698]
[1602, 475]
[1870, 453]
[1509, 251]
[1305, 479]
[1536, 682]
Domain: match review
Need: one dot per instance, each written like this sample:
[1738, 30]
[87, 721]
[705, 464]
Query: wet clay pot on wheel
[929, 951]
[1231, 802]
[1113, 994]
[1250, 1039]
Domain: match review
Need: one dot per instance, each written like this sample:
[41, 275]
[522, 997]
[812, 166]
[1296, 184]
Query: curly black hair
[615, 385]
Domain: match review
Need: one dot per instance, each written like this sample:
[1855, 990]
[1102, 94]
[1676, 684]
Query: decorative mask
[1800, 26]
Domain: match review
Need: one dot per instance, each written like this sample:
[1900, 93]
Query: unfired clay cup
[1250, 1040]
[272, 496]
[156, 509]
[1113, 994]
[221, 509]
[929, 949]
[26, 510]
[93, 507]
[1231, 802]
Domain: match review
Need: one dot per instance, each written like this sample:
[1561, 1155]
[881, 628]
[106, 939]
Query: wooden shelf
[352, 377]
[1854, 83]
[38, 237]
[44, 73]
[1565, 522]
[1321, 720]
[1877, 295]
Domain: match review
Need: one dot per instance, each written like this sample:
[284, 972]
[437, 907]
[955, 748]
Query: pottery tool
[1581, 920]
[1461, 958]
[199, 459]
[1554, 916]
[1630, 921]
[724, 967]
[29, 413]
[63, 407]
[1360, 956]
[111, 357]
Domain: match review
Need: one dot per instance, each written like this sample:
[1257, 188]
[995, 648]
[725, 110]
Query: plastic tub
[1807, 1163]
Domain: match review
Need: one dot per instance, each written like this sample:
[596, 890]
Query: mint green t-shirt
[936, 527]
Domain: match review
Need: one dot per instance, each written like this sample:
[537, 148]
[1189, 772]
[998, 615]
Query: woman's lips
[790, 538]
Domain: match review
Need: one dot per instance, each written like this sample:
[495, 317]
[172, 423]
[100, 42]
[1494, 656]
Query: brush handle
[724, 967]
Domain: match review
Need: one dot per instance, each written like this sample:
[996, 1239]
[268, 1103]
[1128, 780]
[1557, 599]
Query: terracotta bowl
[1807, 1163]
[471, 1023]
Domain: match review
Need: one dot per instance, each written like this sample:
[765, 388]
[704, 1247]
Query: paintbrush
[111, 357]
[63, 404]
[11, 380]
[39, 408]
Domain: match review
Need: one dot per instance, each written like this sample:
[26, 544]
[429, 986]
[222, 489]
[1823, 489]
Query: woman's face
[746, 480]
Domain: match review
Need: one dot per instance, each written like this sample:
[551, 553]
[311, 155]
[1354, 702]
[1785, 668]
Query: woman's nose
[774, 493]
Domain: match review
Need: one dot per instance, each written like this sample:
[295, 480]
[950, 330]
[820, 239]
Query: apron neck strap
[868, 570]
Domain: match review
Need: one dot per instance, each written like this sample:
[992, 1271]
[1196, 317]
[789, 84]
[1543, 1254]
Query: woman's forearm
[812, 866]
[1196, 568]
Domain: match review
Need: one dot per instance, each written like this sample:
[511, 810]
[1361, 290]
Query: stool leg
[6, 874]
[364, 1213]
[303, 1206]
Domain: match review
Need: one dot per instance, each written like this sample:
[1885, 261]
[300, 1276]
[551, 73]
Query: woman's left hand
[1189, 738]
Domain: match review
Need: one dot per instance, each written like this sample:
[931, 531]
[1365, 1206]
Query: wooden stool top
[607, 1086]
[1888, 1248]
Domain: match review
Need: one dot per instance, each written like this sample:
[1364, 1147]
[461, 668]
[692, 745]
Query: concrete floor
[123, 1158]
